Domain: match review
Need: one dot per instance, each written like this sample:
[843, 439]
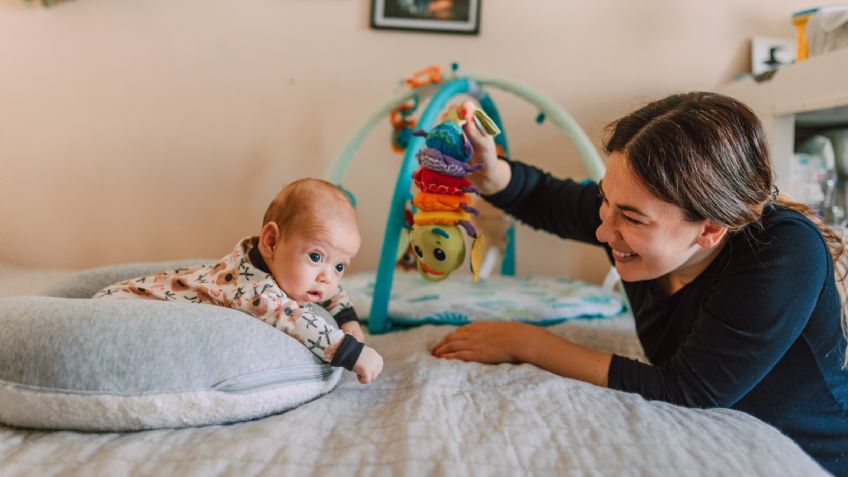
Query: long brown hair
[721, 168]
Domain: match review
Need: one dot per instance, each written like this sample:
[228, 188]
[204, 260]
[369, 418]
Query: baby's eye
[340, 267]
[315, 257]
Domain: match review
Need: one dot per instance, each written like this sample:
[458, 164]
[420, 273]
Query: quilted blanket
[426, 416]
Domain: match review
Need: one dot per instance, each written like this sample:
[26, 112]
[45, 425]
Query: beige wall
[152, 130]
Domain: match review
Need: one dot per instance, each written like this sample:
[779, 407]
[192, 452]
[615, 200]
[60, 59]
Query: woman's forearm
[560, 356]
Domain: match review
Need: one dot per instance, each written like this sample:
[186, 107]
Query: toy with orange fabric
[443, 201]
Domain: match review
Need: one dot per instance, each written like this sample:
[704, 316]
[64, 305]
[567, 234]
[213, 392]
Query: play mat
[532, 299]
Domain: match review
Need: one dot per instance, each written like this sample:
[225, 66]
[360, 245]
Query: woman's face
[649, 238]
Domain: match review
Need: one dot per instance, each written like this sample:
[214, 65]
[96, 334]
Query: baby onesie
[242, 281]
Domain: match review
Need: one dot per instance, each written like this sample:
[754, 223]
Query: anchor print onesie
[242, 281]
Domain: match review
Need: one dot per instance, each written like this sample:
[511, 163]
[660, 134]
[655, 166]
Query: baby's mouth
[316, 295]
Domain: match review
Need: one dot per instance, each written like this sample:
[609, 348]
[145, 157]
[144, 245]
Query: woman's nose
[607, 230]
[602, 231]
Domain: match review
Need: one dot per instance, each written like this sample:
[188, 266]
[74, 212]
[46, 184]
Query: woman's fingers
[465, 340]
[464, 355]
[446, 346]
[468, 108]
[452, 335]
[475, 135]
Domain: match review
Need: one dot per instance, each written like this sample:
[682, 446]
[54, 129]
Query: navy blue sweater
[757, 331]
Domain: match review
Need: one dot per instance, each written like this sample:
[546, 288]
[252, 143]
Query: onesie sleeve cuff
[348, 353]
[345, 316]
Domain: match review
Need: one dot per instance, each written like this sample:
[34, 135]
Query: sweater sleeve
[756, 308]
[563, 207]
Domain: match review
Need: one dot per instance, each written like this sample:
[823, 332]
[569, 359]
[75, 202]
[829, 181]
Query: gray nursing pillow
[68, 362]
[86, 283]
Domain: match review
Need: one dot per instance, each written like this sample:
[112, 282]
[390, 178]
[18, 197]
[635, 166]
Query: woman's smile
[624, 257]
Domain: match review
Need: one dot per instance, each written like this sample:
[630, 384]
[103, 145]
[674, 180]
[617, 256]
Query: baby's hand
[354, 329]
[368, 366]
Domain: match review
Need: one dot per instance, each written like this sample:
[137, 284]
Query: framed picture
[769, 53]
[442, 16]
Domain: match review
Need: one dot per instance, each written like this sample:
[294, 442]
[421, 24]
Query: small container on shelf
[820, 30]
[814, 179]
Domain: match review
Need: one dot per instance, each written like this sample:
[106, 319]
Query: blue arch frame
[379, 321]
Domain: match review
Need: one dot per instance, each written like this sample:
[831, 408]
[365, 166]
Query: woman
[732, 287]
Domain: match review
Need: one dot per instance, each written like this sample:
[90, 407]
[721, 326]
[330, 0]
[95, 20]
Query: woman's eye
[315, 257]
[632, 221]
[340, 267]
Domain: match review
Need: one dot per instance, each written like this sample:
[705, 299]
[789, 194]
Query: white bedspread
[426, 416]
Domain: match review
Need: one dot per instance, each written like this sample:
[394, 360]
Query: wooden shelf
[820, 82]
[809, 94]
[835, 117]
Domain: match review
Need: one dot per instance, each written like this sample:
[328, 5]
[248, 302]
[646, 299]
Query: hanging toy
[403, 124]
[425, 77]
[405, 255]
[443, 200]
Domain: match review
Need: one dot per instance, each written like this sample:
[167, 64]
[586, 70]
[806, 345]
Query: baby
[308, 237]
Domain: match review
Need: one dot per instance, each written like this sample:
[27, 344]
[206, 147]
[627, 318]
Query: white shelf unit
[809, 94]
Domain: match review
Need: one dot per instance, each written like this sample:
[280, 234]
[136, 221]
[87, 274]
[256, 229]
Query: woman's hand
[487, 342]
[498, 342]
[496, 173]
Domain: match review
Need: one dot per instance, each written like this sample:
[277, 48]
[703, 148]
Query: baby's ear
[269, 238]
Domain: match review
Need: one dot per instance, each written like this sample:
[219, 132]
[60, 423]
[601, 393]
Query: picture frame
[769, 53]
[435, 16]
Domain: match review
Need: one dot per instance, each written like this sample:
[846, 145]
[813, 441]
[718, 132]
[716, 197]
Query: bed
[426, 416]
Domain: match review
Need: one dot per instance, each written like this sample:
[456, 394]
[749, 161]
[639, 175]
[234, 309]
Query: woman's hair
[306, 203]
[721, 168]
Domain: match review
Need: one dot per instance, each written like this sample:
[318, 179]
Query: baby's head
[308, 238]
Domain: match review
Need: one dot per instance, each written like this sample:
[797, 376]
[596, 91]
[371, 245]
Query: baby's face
[308, 265]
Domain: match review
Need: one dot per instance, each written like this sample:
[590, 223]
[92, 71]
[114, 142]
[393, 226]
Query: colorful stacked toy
[443, 200]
